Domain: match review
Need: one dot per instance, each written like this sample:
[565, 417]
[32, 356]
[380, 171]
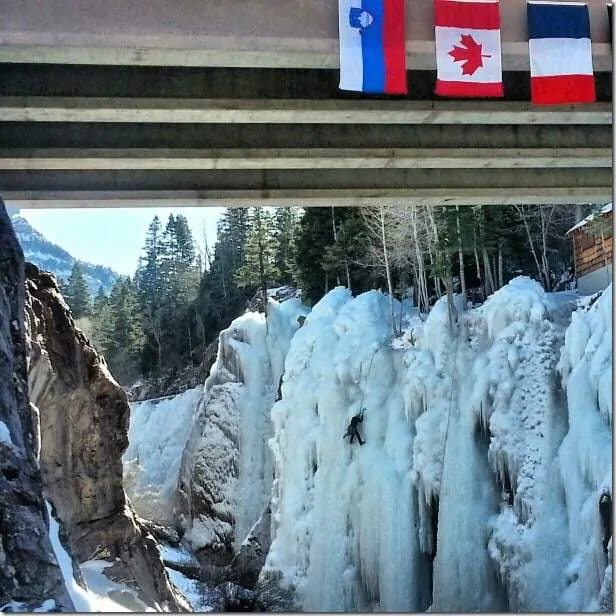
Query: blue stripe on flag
[558, 21]
[373, 49]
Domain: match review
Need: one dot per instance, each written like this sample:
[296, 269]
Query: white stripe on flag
[449, 70]
[560, 56]
[351, 60]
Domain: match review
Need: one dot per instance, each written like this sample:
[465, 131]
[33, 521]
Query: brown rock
[84, 418]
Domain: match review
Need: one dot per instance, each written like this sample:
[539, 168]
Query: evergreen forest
[172, 309]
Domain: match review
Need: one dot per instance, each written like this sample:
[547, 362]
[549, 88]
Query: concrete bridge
[236, 102]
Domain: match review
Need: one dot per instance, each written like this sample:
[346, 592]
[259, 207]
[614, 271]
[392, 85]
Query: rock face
[84, 418]
[29, 573]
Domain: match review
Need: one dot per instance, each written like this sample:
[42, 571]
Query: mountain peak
[53, 258]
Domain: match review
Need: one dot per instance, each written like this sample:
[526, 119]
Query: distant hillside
[50, 257]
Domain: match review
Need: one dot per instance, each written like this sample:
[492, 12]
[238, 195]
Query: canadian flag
[468, 48]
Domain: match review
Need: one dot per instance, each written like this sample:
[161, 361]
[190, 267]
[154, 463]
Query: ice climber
[352, 430]
[605, 511]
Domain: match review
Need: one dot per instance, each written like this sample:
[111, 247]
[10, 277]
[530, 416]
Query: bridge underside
[79, 136]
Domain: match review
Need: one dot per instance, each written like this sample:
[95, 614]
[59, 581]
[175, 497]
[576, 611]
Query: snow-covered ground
[101, 594]
[156, 438]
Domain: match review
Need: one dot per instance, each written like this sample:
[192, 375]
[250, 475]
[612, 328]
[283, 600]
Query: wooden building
[592, 250]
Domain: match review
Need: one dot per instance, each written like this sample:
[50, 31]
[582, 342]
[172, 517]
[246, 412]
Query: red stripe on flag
[468, 89]
[395, 47]
[477, 15]
[562, 89]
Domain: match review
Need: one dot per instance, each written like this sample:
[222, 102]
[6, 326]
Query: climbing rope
[454, 378]
[361, 405]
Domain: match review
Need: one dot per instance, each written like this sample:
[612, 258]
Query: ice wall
[157, 436]
[518, 404]
[465, 496]
[585, 455]
[344, 514]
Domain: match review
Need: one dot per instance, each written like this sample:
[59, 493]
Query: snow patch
[5, 435]
[101, 594]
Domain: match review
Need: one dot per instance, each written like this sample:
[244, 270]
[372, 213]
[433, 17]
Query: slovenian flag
[468, 48]
[560, 53]
[372, 46]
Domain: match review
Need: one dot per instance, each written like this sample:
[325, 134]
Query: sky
[115, 236]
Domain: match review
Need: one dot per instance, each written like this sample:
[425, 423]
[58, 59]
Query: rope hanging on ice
[454, 379]
[363, 391]
[352, 430]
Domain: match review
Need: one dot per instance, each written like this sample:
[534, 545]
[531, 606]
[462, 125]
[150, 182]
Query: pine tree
[169, 318]
[325, 259]
[77, 295]
[101, 322]
[259, 267]
[285, 230]
[125, 332]
[149, 281]
[220, 297]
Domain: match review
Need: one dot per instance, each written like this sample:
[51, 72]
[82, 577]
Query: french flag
[560, 53]
[372, 46]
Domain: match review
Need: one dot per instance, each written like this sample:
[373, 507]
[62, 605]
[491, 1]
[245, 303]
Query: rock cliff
[29, 573]
[84, 417]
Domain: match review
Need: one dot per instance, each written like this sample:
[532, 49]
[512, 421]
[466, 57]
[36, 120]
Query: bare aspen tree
[546, 213]
[487, 269]
[460, 256]
[501, 282]
[524, 215]
[374, 217]
[408, 244]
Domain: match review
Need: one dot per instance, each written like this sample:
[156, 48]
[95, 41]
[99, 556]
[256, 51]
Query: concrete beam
[267, 33]
[235, 111]
[249, 53]
[305, 198]
[306, 159]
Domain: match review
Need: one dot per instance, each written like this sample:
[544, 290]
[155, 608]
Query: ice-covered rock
[479, 484]
[157, 435]
[226, 470]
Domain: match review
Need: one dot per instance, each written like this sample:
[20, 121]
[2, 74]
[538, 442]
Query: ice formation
[487, 451]
[478, 486]
[227, 467]
[157, 436]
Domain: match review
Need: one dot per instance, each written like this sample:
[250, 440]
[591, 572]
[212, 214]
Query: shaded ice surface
[343, 515]
[5, 435]
[473, 420]
[157, 435]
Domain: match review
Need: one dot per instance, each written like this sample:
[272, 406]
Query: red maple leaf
[469, 53]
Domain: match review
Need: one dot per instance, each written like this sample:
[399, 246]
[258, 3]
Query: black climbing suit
[352, 430]
[605, 511]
